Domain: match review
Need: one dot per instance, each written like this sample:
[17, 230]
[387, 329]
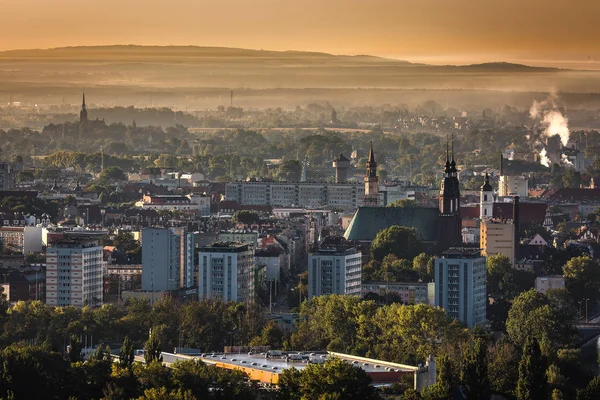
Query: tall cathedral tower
[83, 119]
[371, 181]
[83, 115]
[449, 221]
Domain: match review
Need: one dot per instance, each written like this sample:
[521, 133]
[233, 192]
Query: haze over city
[299, 199]
[560, 33]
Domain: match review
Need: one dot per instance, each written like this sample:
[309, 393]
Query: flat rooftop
[277, 364]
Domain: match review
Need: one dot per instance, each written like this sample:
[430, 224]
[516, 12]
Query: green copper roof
[368, 221]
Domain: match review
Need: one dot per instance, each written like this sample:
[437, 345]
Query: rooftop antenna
[231, 99]
[34, 153]
[102, 158]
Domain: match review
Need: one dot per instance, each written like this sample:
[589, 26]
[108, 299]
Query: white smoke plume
[565, 160]
[544, 160]
[553, 122]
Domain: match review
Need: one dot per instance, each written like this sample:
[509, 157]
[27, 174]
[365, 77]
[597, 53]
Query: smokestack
[501, 165]
[516, 224]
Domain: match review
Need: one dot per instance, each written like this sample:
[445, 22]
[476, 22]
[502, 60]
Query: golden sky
[416, 30]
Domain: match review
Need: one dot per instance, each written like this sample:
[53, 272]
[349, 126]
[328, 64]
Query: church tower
[83, 119]
[449, 190]
[83, 115]
[449, 221]
[486, 199]
[371, 181]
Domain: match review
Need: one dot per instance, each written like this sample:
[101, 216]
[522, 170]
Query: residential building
[510, 185]
[497, 237]
[273, 258]
[343, 195]
[334, 268]
[544, 283]
[192, 203]
[21, 239]
[226, 272]
[7, 177]
[240, 235]
[460, 285]
[74, 271]
[24, 284]
[167, 259]
[409, 292]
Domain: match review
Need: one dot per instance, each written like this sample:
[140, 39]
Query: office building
[167, 259]
[460, 285]
[226, 272]
[74, 271]
[334, 268]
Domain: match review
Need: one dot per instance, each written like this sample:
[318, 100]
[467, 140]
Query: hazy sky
[421, 30]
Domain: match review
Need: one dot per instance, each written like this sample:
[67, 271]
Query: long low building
[296, 194]
[268, 370]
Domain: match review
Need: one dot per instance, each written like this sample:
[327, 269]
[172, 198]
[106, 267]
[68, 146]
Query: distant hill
[509, 67]
[188, 53]
[198, 77]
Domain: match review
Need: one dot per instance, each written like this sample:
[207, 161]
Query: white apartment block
[74, 271]
[460, 287]
[334, 268]
[226, 272]
[300, 194]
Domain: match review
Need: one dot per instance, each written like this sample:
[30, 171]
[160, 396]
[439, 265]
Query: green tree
[290, 170]
[425, 267]
[335, 379]
[503, 356]
[245, 217]
[582, 277]
[192, 375]
[124, 241]
[271, 335]
[533, 316]
[532, 367]
[571, 178]
[75, 348]
[401, 241]
[474, 371]
[126, 356]
[152, 349]
[112, 174]
[592, 390]
[442, 389]
[404, 203]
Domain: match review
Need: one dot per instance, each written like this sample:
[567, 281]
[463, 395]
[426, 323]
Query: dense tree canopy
[403, 242]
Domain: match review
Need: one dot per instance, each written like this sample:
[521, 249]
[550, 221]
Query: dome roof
[486, 186]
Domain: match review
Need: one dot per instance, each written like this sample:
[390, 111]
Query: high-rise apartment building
[74, 271]
[460, 285]
[335, 267]
[226, 272]
[167, 259]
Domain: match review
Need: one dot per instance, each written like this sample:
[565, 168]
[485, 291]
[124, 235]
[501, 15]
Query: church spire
[452, 162]
[447, 166]
[83, 115]
[371, 155]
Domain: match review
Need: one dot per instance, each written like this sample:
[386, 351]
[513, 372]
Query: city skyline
[426, 31]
